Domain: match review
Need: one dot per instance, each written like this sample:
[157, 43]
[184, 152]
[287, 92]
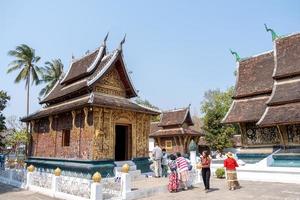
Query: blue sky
[176, 50]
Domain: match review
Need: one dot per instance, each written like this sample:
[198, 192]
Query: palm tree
[51, 74]
[25, 61]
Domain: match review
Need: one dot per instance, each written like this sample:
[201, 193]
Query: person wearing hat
[230, 164]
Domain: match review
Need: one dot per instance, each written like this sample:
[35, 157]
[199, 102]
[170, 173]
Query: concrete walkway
[249, 190]
[12, 193]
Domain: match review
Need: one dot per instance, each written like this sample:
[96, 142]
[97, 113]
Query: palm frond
[52, 71]
[22, 75]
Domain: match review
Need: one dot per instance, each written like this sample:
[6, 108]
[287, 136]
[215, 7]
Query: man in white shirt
[157, 156]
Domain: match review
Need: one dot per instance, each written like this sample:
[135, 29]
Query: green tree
[51, 73]
[214, 107]
[25, 61]
[4, 98]
[149, 105]
[16, 140]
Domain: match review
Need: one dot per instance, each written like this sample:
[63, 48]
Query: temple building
[88, 121]
[173, 132]
[266, 101]
[252, 90]
[283, 106]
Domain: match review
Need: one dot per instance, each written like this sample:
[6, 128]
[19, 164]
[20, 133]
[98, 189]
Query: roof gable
[176, 117]
[66, 89]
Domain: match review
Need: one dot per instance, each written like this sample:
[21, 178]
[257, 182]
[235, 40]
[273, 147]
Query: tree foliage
[149, 105]
[25, 61]
[4, 98]
[51, 73]
[214, 107]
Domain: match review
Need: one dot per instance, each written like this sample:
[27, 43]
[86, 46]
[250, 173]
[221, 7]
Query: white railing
[67, 187]
[15, 177]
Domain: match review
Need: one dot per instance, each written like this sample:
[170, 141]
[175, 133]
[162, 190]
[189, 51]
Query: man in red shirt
[230, 164]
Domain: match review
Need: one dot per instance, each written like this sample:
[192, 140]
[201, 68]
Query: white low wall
[254, 172]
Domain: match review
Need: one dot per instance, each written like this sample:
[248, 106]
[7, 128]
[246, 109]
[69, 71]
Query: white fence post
[28, 179]
[199, 176]
[96, 191]
[125, 184]
[10, 178]
[54, 185]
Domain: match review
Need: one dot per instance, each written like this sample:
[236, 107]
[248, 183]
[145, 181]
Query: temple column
[73, 112]
[283, 135]
[159, 141]
[175, 140]
[243, 134]
[86, 113]
[51, 131]
[181, 141]
[30, 146]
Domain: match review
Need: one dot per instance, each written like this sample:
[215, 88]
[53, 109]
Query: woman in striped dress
[183, 169]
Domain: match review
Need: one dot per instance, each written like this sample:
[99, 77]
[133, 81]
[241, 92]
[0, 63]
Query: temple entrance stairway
[133, 171]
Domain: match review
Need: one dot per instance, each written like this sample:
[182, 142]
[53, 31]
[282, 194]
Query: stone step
[132, 168]
[121, 163]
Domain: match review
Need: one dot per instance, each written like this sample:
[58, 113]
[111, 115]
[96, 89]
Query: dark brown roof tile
[285, 92]
[255, 75]
[280, 115]
[287, 56]
[246, 110]
[176, 117]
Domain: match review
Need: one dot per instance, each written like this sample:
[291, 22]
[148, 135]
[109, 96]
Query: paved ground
[249, 190]
[11, 193]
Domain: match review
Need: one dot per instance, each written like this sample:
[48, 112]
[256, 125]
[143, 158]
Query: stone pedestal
[125, 184]
[96, 191]
[54, 184]
[28, 179]
[193, 158]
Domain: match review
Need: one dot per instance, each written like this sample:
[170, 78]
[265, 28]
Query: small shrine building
[88, 120]
[173, 132]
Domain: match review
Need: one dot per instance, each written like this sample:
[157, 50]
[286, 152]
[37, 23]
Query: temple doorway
[122, 142]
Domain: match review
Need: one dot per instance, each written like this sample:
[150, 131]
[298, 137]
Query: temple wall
[47, 136]
[91, 138]
[254, 136]
[106, 119]
[179, 144]
[290, 135]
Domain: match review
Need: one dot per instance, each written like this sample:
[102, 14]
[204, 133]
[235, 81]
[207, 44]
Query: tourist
[157, 156]
[183, 170]
[164, 163]
[205, 164]
[173, 185]
[230, 165]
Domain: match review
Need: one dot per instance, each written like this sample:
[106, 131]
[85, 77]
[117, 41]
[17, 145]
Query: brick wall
[48, 142]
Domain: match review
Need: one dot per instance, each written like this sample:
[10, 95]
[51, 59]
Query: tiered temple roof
[268, 87]
[79, 86]
[173, 123]
[284, 104]
[252, 90]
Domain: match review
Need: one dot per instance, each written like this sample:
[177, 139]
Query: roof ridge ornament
[122, 42]
[236, 55]
[274, 34]
[105, 39]
[91, 97]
